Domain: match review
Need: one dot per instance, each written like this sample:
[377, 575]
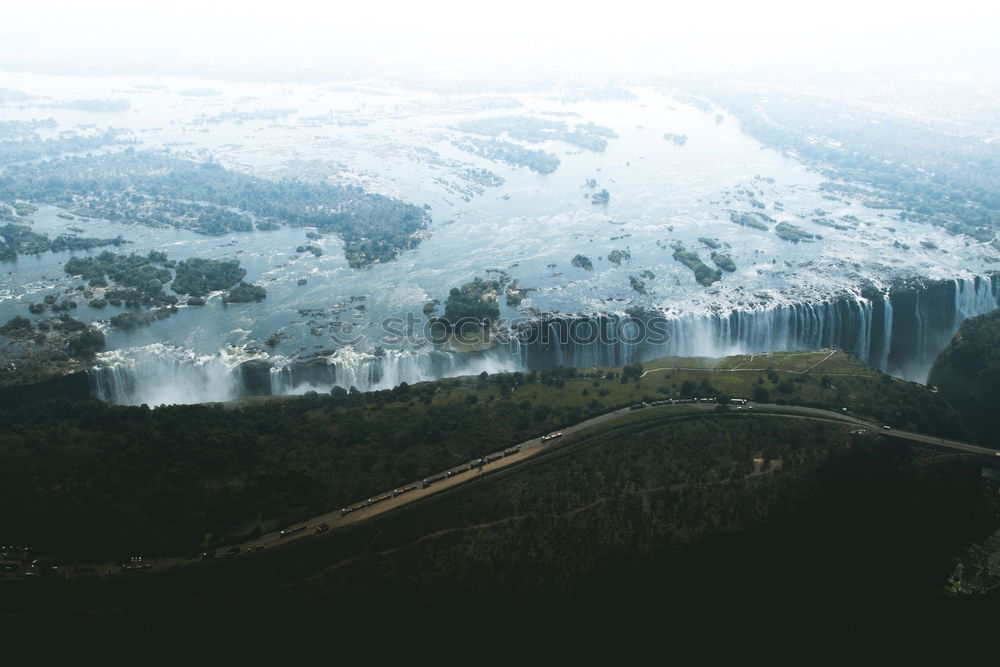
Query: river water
[398, 143]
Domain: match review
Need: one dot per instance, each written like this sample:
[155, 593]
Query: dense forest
[198, 276]
[20, 143]
[19, 239]
[138, 279]
[651, 522]
[66, 335]
[99, 481]
[244, 293]
[160, 189]
[781, 509]
[141, 281]
[477, 301]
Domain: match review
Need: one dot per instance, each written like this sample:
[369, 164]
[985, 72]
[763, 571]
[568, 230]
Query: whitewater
[889, 290]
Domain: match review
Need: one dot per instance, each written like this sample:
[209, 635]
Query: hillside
[657, 518]
[101, 483]
[967, 372]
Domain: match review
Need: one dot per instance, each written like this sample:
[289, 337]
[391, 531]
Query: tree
[338, 396]
[86, 344]
[476, 300]
[761, 395]
[632, 371]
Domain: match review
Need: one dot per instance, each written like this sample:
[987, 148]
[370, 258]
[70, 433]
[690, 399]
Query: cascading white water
[368, 372]
[973, 297]
[902, 339]
[887, 315]
[163, 375]
[900, 333]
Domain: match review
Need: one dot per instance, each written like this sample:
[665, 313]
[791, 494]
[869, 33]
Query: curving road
[465, 473]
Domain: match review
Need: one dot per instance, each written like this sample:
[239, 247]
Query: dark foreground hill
[661, 520]
[967, 372]
[100, 484]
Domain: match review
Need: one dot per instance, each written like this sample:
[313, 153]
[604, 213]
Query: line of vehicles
[374, 500]
[686, 401]
[433, 479]
[477, 463]
[292, 530]
[136, 563]
[472, 465]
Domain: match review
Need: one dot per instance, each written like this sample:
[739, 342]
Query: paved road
[892, 432]
[530, 448]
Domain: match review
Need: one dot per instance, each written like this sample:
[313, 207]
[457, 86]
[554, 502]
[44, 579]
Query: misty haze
[457, 312]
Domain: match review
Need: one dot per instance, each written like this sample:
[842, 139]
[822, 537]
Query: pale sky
[289, 35]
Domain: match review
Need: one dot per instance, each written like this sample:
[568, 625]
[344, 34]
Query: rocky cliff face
[967, 372]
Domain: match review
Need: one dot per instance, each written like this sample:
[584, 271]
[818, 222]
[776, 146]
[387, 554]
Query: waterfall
[163, 375]
[883, 359]
[900, 332]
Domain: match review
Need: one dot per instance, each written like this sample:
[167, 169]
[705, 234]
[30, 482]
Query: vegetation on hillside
[100, 481]
[967, 372]
[658, 511]
[704, 516]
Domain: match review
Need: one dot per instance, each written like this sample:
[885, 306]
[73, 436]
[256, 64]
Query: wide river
[399, 143]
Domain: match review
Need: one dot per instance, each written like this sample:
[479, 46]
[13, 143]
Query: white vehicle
[551, 436]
